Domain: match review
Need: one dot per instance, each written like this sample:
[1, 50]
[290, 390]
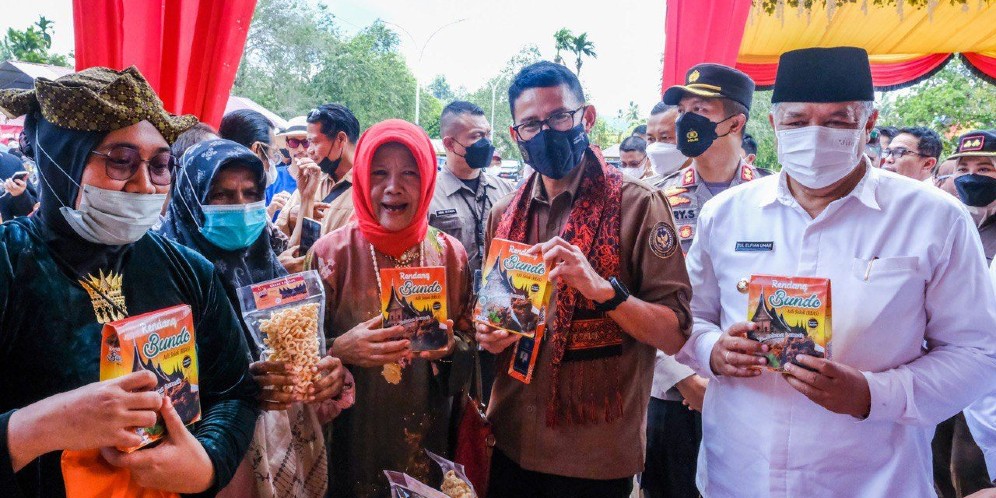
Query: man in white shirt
[913, 326]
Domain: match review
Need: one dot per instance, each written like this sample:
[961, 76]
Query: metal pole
[418, 94]
[493, 88]
[418, 65]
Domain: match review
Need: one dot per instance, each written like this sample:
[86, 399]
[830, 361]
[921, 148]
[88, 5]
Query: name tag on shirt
[743, 246]
[444, 212]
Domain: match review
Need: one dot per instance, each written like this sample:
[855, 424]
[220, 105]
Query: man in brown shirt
[550, 445]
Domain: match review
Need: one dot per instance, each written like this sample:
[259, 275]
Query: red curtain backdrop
[885, 75]
[699, 31]
[189, 50]
[983, 65]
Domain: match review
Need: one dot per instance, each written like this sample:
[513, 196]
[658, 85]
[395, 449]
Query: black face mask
[329, 167]
[479, 154]
[555, 153]
[696, 133]
[976, 190]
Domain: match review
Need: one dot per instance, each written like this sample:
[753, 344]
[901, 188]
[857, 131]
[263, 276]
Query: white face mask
[665, 158]
[271, 173]
[109, 217]
[817, 156]
[636, 172]
[112, 217]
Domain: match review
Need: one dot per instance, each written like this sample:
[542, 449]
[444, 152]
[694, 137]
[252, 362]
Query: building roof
[17, 74]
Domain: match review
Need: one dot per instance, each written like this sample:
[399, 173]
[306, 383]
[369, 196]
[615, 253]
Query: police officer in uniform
[713, 105]
[465, 192]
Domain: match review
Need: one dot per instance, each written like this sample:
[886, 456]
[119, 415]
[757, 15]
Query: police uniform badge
[971, 143]
[663, 240]
[686, 232]
[746, 174]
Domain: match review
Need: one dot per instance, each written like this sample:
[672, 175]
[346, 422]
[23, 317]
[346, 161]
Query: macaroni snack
[286, 319]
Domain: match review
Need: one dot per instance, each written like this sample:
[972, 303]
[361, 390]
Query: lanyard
[482, 201]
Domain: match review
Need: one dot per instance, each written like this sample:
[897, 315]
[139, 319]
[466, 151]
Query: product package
[792, 317]
[286, 317]
[514, 291]
[415, 298]
[456, 484]
[161, 342]
[406, 486]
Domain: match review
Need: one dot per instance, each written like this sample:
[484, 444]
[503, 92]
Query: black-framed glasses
[293, 143]
[899, 152]
[122, 162]
[559, 121]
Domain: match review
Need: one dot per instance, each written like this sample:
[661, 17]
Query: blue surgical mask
[554, 153]
[233, 227]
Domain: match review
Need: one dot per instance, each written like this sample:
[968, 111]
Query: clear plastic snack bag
[406, 486]
[286, 317]
[456, 484]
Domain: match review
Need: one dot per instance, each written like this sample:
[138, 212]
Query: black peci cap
[714, 81]
[980, 143]
[839, 74]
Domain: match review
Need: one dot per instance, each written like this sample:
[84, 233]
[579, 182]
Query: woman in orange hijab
[403, 399]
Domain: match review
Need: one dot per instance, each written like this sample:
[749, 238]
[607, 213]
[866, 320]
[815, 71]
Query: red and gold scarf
[587, 345]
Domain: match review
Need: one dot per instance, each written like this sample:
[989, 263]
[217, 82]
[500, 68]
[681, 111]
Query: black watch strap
[621, 295]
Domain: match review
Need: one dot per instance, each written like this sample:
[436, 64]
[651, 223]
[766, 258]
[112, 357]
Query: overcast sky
[628, 37]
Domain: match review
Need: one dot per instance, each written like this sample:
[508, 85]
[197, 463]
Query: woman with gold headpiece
[101, 141]
[403, 399]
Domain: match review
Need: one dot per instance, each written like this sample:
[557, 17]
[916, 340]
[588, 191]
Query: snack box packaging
[515, 291]
[792, 316]
[415, 298]
[161, 342]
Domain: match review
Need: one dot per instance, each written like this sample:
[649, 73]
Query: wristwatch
[621, 295]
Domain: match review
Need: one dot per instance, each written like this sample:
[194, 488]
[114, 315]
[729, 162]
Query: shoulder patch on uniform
[663, 240]
[686, 231]
[688, 177]
[668, 192]
[747, 173]
[677, 200]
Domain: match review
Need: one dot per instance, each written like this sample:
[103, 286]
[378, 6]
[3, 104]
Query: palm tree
[581, 47]
[564, 40]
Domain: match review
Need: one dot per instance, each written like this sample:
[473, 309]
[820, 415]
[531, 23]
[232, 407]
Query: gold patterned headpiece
[96, 99]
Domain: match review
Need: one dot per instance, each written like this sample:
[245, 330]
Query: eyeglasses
[899, 152]
[559, 121]
[122, 162]
[293, 143]
[938, 180]
[271, 152]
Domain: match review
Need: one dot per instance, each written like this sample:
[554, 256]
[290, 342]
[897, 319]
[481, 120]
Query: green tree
[296, 58]
[32, 45]
[951, 102]
[605, 135]
[502, 114]
[759, 128]
[441, 89]
[631, 116]
[563, 40]
[286, 48]
[582, 47]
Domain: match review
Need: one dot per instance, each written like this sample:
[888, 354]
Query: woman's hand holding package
[179, 464]
[329, 382]
[366, 345]
[96, 415]
[273, 377]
